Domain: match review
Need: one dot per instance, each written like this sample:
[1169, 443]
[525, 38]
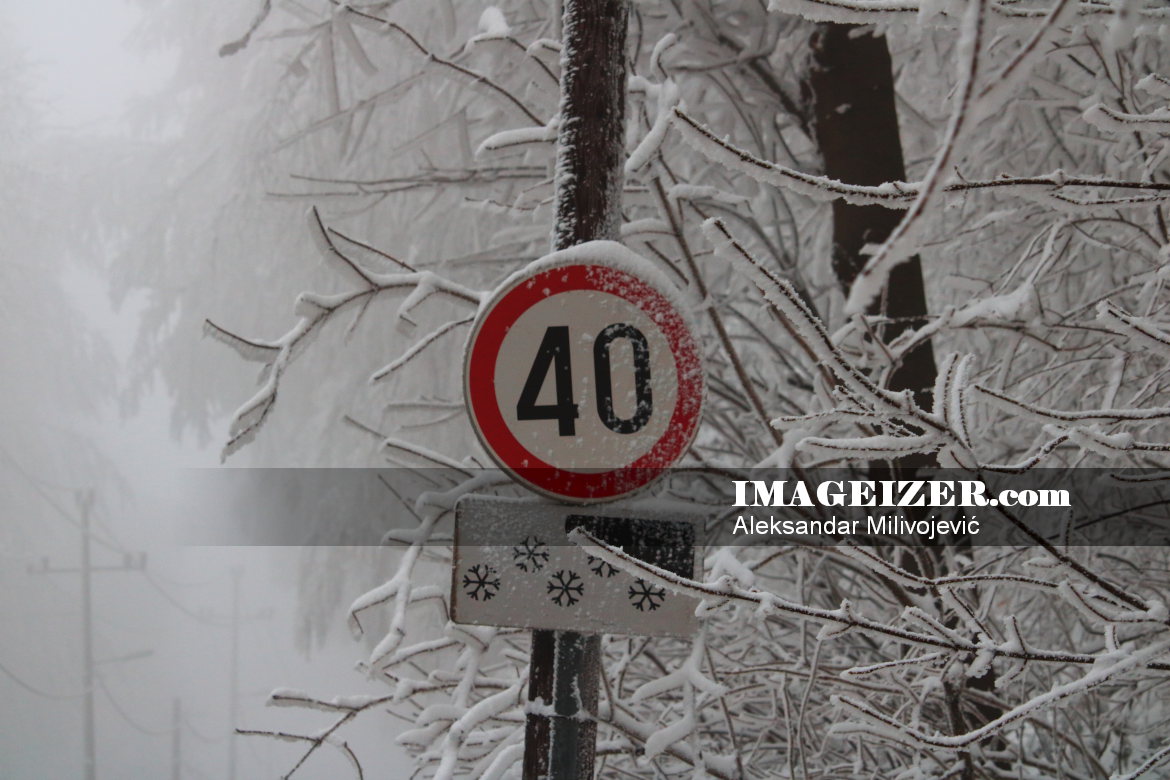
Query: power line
[65, 513]
[174, 602]
[173, 583]
[86, 570]
[198, 734]
[114, 545]
[32, 689]
[126, 716]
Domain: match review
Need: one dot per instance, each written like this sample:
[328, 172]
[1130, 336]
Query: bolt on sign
[514, 566]
[583, 378]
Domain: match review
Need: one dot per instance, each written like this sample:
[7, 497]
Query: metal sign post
[515, 566]
[566, 665]
[584, 382]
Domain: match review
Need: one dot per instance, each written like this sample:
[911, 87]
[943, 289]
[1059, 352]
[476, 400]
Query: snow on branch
[864, 393]
[879, 447]
[1144, 768]
[315, 310]
[1105, 118]
[897, 11]
[1106, 668]
[1142, 328]
[667, 96]
[837, 621]
[249, 349]
[531, 53]
[457, 71]
[703, 140]
[901, 244]
[1155, 84]
[420, 347]
[507, 140]
[1058, 416]
[1054, 188]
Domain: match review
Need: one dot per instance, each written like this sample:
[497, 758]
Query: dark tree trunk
[855, 123]
[850, 90]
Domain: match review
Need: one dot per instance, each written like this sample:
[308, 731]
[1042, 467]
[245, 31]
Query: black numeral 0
[554, 353]
[602, 374]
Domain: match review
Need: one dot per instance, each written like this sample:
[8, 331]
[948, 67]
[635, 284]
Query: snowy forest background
[1006, 163]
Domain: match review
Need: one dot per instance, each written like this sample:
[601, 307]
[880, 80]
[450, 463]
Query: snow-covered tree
[58, 369]
[917, 233]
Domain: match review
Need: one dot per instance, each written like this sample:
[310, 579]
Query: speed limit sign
[583, 378]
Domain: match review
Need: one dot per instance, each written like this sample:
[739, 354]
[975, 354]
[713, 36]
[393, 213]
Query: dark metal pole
[590, 150]
[560, 734]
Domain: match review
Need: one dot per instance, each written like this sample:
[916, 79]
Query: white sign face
[515, 566]
[583, 379]
[620, 410]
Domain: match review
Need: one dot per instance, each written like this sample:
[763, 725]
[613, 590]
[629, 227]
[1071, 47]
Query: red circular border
[483, 351]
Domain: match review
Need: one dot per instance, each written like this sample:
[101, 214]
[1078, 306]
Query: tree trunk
[850, 88]
[855, 123]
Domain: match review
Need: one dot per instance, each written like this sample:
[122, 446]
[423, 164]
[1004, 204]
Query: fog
[168, 625]
[250, 251]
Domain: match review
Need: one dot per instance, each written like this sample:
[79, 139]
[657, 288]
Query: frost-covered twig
[419, 348]
[1105, 670]
[897, 11]
[315, 310]
[835, 621]
[900, 245]
[1080, 416]
[463, 74]
[815, 340]
[729, 349]
[1144, 768]
[893, 194]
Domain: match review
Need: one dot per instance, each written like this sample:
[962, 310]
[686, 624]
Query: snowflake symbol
[566, 588]
[479, 582]
[601, 568]
[646, 596]
[532, 554]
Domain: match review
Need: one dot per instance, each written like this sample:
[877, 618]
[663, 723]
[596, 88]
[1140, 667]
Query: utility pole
[235, 674]
[176, 739]
[87, 639]
[234, 620]
[129, 563]
[234, 664]
[565, 665]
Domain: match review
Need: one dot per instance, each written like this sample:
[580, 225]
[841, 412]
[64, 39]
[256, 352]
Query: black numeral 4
[554, 352]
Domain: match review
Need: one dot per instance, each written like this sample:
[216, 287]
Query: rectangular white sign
[514, 566]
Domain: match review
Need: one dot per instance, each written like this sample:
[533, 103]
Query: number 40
[554, 353]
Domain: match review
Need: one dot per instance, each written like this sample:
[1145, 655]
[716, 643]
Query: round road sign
[583, 379]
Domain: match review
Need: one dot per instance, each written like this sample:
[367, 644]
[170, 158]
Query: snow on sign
[583, 378]
[515, 566]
